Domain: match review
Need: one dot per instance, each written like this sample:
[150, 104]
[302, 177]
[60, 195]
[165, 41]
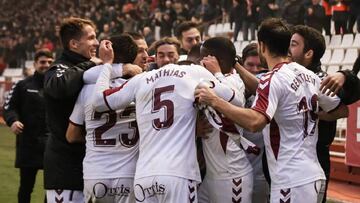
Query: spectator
[105, 34]
[164, 21]
[328, 16]
[24, 113]
[148, 35]
[237, 15]
[129, 23]
[207, 13]
[47, 44]
[250, 20]
[189, 35]
[340, 16]
[267, 9]
[293, 12]
[315, 15]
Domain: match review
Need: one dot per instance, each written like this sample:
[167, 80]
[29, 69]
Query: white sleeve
[328, 103]
[267, 95]
[77, 116]
[116, 98]
[90, 76]
[222, 90]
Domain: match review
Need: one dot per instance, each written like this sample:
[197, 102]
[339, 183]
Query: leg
[252, 30]
[324, 160]
[236, 31]
[245, 29]
[351, 23]
[337, 27]
[327, 25]
[27, 181]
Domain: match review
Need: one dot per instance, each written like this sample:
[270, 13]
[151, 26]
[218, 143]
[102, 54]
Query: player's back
[224, 158]
[290, 138]
[166, 117]
[111, 139]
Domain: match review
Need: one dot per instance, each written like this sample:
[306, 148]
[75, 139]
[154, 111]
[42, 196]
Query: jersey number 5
[158, 104]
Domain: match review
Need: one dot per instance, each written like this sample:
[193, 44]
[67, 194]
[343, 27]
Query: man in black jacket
[24, 112]
[314, 15]
[307, 46]
[63, 176]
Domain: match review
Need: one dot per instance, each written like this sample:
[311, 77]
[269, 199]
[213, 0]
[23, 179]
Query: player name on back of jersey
[165, 73]
[301, 78]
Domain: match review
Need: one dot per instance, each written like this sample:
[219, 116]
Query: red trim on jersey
[262, 101]
[227, 124]
[111, 91]
[274, 137]
[263, 91]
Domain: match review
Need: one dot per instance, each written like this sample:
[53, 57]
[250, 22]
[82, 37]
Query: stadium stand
[335, 42]
[347, 41]
[337, 57]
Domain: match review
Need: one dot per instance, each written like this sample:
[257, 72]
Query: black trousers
[323, 154]
[27, 181]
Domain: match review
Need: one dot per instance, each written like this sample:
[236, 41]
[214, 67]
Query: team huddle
[185, 132]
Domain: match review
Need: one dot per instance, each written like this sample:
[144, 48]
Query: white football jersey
[224, 158]
[111, 137]
[289, 97]
[165, 114]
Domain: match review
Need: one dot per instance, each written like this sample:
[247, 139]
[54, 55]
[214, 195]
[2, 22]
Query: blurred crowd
[27, 26]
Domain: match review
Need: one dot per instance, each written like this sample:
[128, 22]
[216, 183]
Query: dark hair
[166, 40]
[224, 51]
[276, 35]
[135, 35]
[125, 49]
[250, 50]
[43, 52]
[313, 40]
[194, 54]
[72, 28]
[184, 26]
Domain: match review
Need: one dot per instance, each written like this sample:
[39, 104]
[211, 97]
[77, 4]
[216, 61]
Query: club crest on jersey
[101, 190]
[141, 193]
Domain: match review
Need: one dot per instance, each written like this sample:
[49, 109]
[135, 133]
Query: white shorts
[165, 189]
[310, 193]
[229, 190]
[64, 196]
[115, 190]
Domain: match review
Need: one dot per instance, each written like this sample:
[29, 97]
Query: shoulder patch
[60, 69]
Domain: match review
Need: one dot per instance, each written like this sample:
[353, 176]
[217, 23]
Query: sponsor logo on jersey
[145, 192]
[101, 190]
